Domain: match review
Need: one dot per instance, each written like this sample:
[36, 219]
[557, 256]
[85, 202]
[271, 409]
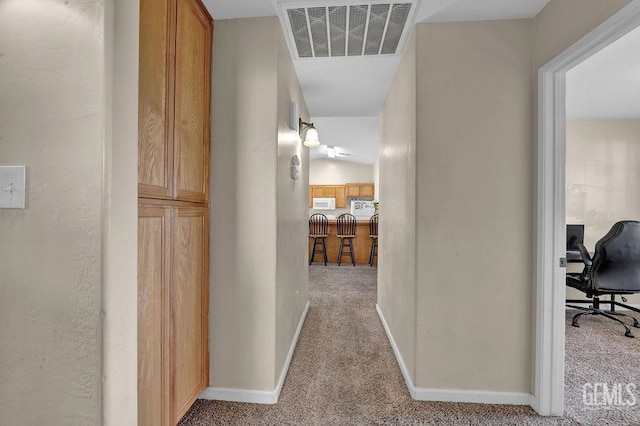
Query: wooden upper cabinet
[353, 189]
[174, 100]
[360, 189]
[340, 192]
[192, 102]
[317, 191]
[155, 104]
[330, 192]
[341, 197]
[367, 190]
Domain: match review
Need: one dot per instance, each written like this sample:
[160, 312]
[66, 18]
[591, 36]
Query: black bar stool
[346, 230]
[318, 230]
[373, 233]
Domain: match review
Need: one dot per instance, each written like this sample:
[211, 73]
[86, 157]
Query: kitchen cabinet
[172, 310]
[318, 191]
[153, 316]
[188, 306]
[367, 190]
[173, 223]
[174, 94]
[340, 192]
[360, 189]
[341, 197]
[328, 191]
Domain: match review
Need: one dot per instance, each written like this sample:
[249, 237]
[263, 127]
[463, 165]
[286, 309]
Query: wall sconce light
[311, 140]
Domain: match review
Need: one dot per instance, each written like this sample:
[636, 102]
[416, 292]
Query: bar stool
[346, 230]
[318, 230]
[373, 233]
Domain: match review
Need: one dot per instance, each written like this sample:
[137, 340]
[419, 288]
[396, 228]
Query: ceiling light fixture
[331, 151]
[311, 140]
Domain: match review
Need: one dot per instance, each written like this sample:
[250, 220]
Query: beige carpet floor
[343, 371]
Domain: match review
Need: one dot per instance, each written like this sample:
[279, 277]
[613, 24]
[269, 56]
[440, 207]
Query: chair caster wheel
[628, 334]
[575, 324]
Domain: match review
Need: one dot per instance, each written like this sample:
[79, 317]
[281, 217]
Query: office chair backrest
[616, 260]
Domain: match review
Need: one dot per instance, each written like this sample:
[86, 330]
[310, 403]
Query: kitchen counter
[361, 245]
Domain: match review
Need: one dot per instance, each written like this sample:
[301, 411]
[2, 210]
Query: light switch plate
[12, 187]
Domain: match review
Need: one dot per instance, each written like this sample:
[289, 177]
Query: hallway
[344, 372]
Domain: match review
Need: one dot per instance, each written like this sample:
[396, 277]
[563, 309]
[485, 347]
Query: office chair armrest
[586, 258]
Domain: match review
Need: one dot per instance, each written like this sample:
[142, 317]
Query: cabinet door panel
[193, 71]
[153, 309]
[366, 190]
[330, 191]
[353, 190]
[189, 305]
[318, 191]
[341, 197]
[155, 111]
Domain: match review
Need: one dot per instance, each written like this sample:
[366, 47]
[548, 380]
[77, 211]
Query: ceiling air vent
[348, 30]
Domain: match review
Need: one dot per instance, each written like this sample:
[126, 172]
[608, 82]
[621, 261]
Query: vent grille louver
[353, 30]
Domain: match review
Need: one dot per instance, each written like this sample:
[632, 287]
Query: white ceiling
[350, 135]
[356, 87]
[607, 85]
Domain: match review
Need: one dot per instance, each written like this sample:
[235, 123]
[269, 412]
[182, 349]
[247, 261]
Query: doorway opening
[551, 220]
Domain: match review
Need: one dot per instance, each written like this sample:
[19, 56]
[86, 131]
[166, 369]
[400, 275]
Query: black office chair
[614, 269]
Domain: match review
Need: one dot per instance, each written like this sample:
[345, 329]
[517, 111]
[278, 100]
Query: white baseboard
[452, 395]
[474, 396]
[257, 396]
[396, 352]
[240, 395]
[292, 348]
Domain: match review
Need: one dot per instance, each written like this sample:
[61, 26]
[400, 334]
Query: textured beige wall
[243, 204]
[258, 213]
[292, 196]
[327, 171]
[397, 257]
[563, 22]
[474, 200]
[602, 177]
[475, 187]
[52, 81]
[120, 289]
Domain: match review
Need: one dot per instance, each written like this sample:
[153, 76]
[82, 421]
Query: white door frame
[550, 312]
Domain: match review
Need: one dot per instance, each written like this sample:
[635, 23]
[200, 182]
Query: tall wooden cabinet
[173, 196]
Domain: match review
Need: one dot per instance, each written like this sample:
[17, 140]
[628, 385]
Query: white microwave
[324, 203]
